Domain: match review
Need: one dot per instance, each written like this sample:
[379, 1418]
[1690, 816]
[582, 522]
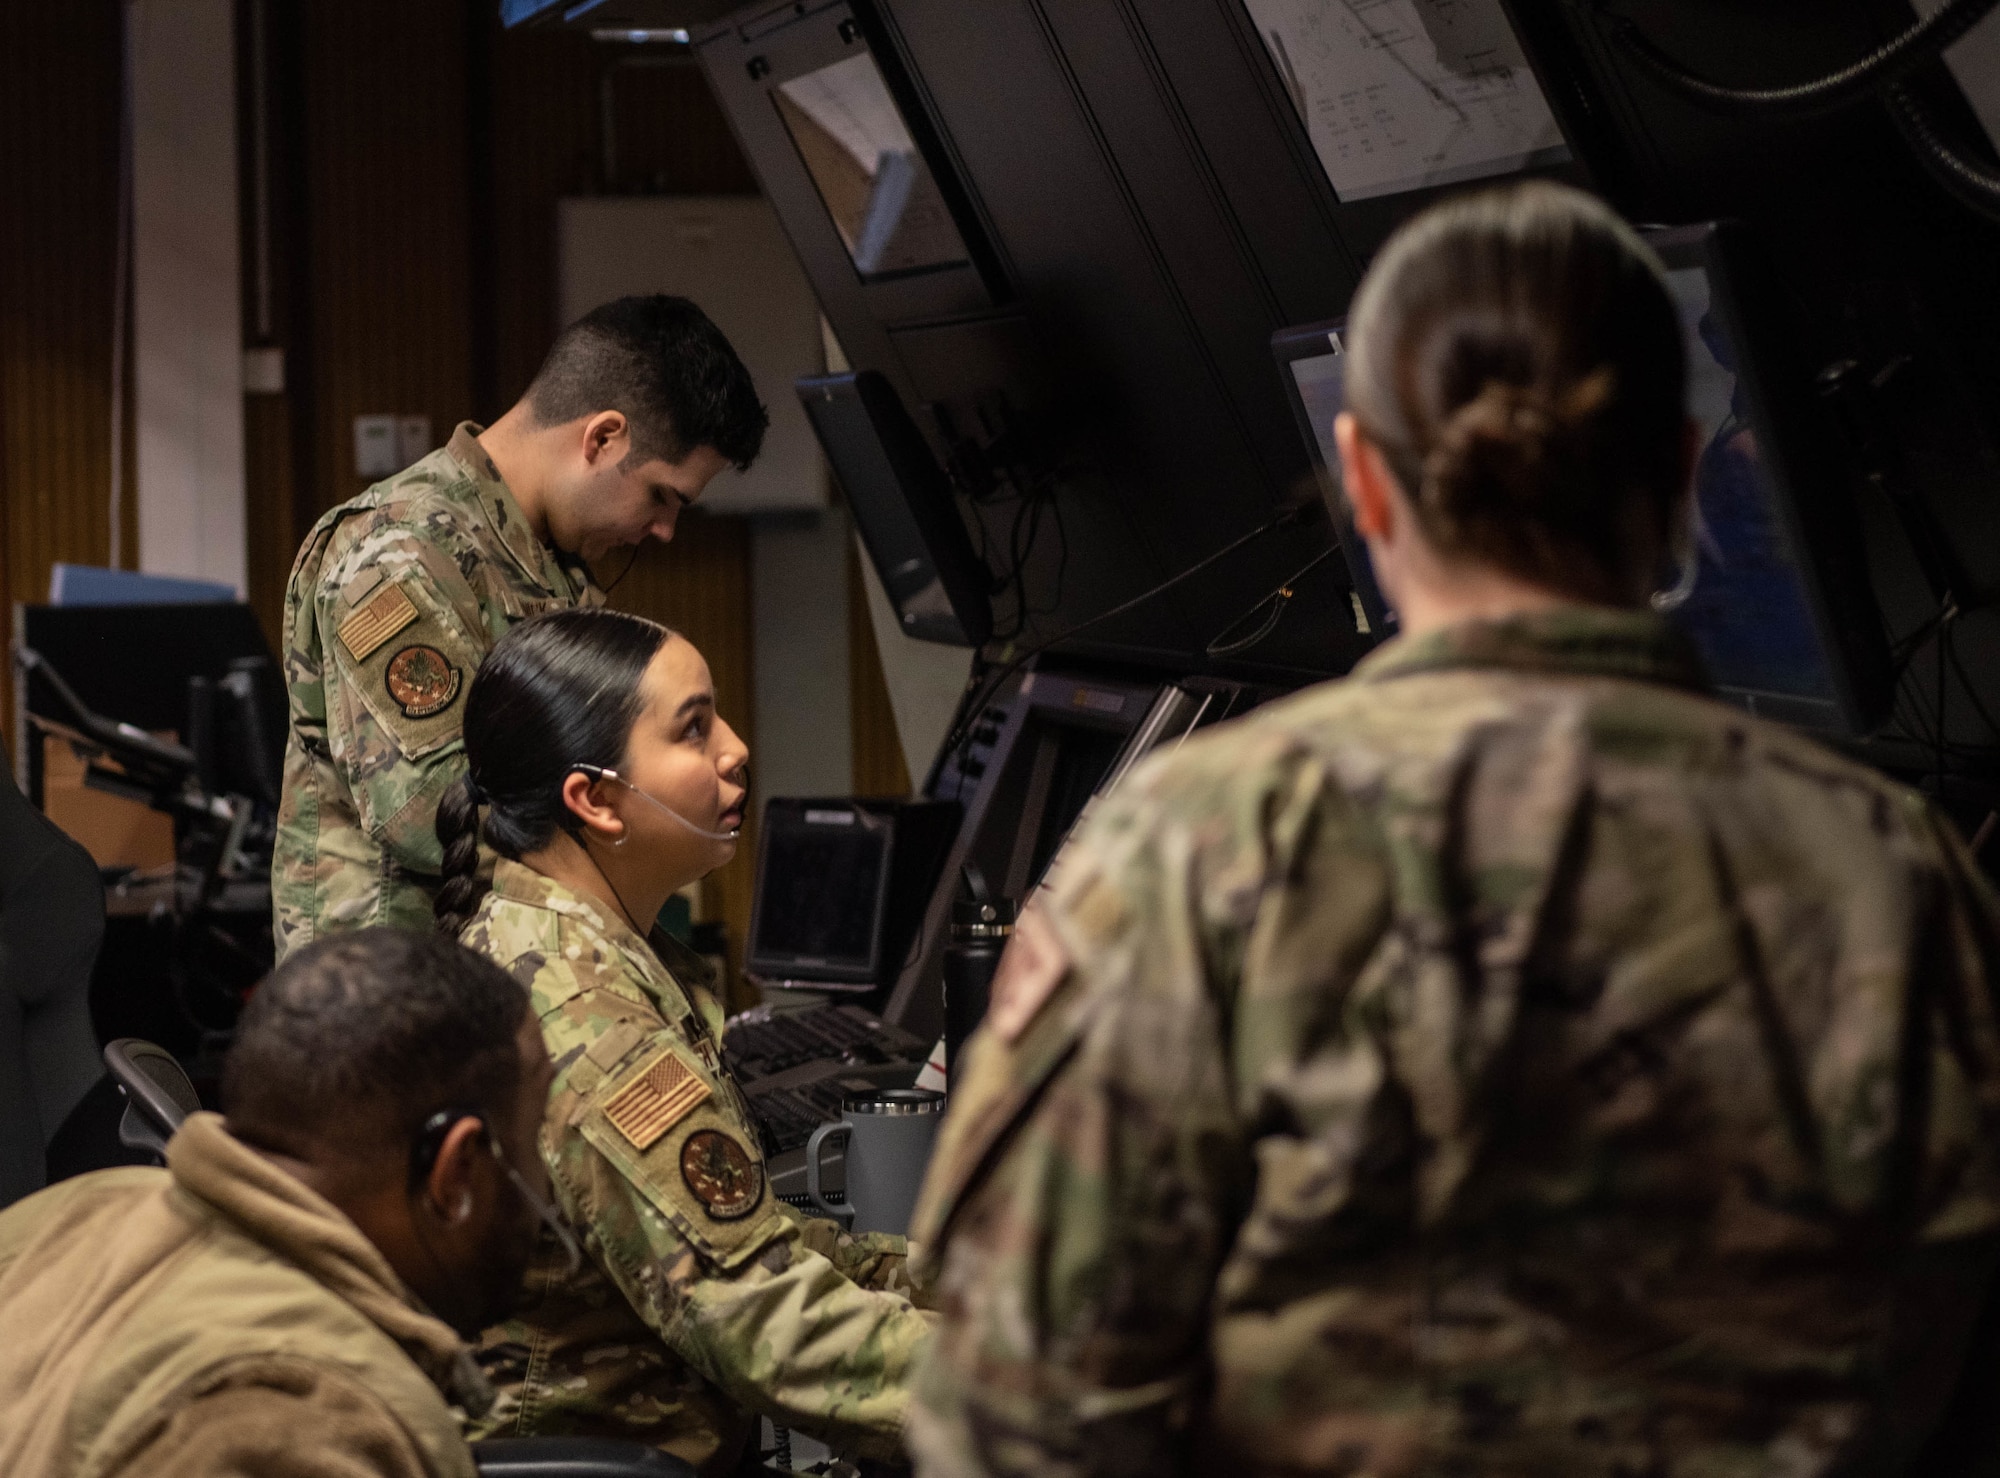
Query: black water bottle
[980, 928]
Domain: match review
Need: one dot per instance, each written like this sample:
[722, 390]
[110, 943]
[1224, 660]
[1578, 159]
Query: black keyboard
[762, 1042]
[787, 1116]
[796, 1066]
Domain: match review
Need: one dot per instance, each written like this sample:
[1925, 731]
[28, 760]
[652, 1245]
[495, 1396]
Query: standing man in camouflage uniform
[398, 593]
[1506, 1061]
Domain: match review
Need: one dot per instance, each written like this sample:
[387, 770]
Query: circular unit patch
[421, 681]
[720, 1172]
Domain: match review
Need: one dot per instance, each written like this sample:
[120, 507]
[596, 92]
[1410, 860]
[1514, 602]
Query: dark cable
[1885, 66]
[623, 573]
[1062, 553]
[1974, 185]
[1280, 601]
[1006, 670]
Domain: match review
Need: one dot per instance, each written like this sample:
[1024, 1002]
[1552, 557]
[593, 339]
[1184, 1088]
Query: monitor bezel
[1312, 341]
[1794, 426]
[925, 494]
[790, 966]
[1798, 437]
[747, 62]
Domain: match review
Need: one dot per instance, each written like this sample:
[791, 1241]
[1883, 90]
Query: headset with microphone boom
[601, 773]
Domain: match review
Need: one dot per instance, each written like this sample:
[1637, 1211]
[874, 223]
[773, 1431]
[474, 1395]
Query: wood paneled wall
[415, 157]
[388, 211]
[59, 117]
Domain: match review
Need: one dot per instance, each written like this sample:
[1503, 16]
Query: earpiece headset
[599, 772]
[429, 1144]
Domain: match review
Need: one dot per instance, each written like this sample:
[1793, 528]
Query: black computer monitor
[135, 664]
[1775, 592]
[903, 507]
[1313, 360]
[841, 884]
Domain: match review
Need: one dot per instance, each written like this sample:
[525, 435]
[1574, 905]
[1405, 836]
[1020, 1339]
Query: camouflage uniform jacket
[704, 1300]
[394, 598]
[1506, 1061]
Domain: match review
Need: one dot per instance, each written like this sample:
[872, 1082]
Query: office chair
[51, 923]
[158, 1096]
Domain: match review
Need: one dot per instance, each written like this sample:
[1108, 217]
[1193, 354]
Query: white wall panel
[187, 331]
[727, 253]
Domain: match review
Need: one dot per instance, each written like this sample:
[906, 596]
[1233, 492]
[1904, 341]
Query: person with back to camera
[609, 782]
[1507, 1060]
[288, 1295]
[398, 593]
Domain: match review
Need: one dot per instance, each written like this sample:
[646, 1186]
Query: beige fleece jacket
[215, 1318]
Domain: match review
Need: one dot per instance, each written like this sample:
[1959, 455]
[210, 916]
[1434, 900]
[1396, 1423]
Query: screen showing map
[1403, 94]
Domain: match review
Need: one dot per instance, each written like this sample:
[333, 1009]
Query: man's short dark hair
[356, 1040]
[661, 363]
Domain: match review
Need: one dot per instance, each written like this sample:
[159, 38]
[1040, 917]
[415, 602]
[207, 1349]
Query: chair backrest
[158, 1093]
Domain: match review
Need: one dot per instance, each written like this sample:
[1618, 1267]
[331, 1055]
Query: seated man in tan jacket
[287, 1296]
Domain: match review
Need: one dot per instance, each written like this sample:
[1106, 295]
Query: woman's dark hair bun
[1515, 451]
[1517, 358]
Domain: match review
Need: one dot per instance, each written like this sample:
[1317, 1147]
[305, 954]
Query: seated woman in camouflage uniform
[608, 782]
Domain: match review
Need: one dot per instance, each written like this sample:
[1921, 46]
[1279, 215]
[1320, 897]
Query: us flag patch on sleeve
[665, 1091]
[384, 616]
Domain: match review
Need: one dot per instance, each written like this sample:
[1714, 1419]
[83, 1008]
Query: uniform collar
[559, 574]
[1577, 641]
[656, 955]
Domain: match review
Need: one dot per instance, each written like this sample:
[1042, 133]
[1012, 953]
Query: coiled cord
[1974, 185]
[1885, 66]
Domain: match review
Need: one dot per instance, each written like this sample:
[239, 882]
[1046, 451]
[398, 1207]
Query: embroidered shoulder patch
[665, 1091]
[422, 680]
[720, 1172]
[384, 616]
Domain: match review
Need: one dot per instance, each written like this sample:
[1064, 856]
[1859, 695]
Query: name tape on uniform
[665, 1092]
[384, 616]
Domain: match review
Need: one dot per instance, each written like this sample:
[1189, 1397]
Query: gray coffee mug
[889, 1134]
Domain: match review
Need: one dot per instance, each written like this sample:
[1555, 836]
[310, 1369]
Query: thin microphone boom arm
[601, 773]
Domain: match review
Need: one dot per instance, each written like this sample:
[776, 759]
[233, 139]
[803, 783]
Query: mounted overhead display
[1313, 359]
[1409, 94]
[1772, 586]
[902, 506]
[1065, 234]
[881, 194]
